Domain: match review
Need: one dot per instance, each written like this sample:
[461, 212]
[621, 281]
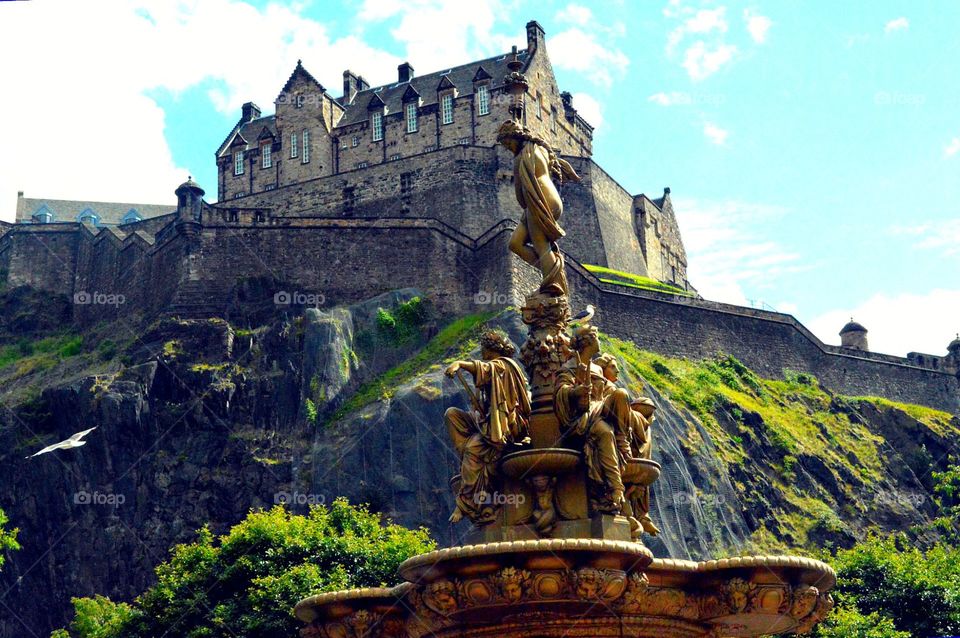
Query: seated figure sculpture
[587, 407]
[499, 416]
[634, 442]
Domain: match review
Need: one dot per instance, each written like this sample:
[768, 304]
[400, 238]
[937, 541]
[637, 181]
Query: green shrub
[246, 582]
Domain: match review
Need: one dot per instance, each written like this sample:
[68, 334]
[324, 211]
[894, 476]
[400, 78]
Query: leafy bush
[246, 582]
[8, 537]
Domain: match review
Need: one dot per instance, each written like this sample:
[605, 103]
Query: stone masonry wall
[767, 342]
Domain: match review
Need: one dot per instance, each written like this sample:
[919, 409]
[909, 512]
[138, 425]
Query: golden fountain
[555, 478]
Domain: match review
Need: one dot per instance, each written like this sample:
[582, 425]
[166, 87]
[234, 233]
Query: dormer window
[43, 216]
[411, 117]
[305, 156]
[483, 99]
[131, 217]
[446, 108]
[266, 159]
[376, 125]
[88, 217]
[238, 163]
[293, 145]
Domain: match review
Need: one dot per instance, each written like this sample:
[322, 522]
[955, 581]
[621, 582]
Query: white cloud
[589, 108]
[726, 253]
[897, 24]
[97, 94]
[757, 25]
[715, 134]
[672, 98]
[701, 21]
[448, 32]
[578, 50]
[942, 236]
[952, 148]
[575, 14]
[898, 324]
[702, 61]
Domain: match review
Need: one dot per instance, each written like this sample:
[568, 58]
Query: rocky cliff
[198, 421]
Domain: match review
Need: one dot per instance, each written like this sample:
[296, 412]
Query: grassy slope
[620, 278]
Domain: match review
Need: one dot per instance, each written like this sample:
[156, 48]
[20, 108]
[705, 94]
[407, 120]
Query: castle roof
[252, 130]
[462, 77]
[852, 326]
[105, 213]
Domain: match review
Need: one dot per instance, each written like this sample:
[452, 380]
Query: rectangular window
[446, 108]
[553, 116]
[537, 104]
[305, 155]
[395, 156]
[356, 140]
[270, 187]
[483, 99]
[411, 110]
[266, 161]
[361, 164]
[293, 145]
[377, 125]
[238, 163]
[349, 198]
[406, 183]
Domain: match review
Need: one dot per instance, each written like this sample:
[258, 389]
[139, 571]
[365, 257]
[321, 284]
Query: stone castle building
[338, 199]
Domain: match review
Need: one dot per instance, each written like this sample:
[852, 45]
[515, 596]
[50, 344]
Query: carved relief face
[441, 597]
[588, 582]
[804, 601]
[511, 583]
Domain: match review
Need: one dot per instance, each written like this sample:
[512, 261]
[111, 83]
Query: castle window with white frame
[395, 157]
[356, 140]
[446, 108]
[293, 145]
[361, 164]
[411, 115]
[376, 123]
[238, 163]
[483, 99]
[305, 154]
[266, 159]
[299, 101]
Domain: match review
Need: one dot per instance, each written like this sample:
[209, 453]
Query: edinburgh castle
[333, 200]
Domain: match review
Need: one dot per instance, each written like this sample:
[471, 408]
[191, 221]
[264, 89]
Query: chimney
[19, 194]
[250, 112]
[351, 86]
[666, 191]
[536, 36]
[404, 72]
[567, 100]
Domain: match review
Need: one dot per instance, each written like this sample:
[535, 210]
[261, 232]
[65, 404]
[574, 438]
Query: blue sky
[813, 153]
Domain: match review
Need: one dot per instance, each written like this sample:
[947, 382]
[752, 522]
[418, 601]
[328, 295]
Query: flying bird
[74, 441]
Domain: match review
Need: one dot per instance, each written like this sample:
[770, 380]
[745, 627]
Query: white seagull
[72, 442]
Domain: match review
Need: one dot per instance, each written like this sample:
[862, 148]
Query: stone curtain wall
[767, 342]
[469, 188]
[43, 256]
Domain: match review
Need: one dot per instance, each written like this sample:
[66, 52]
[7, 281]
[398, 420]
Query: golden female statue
[535, 166]
[500, 415]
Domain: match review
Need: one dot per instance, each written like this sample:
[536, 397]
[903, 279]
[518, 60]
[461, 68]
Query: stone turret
[854, 336]
[953, 355]
[189, 201]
